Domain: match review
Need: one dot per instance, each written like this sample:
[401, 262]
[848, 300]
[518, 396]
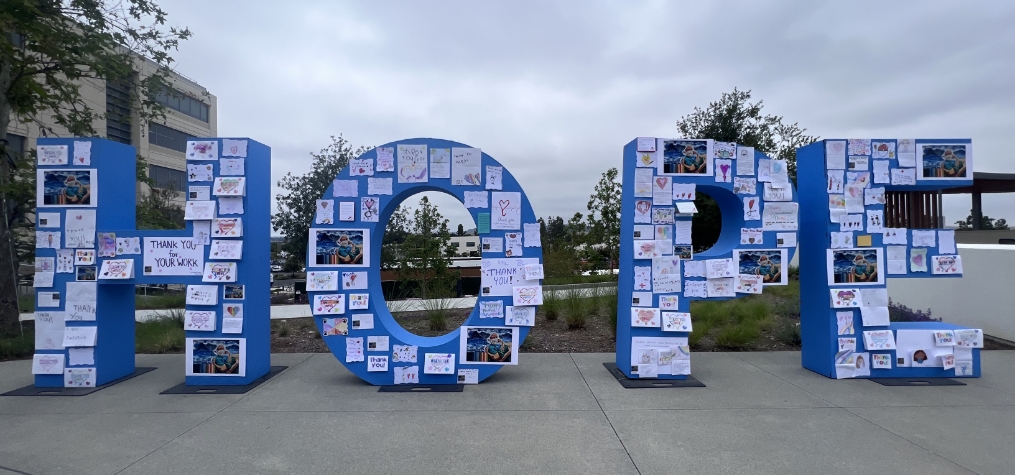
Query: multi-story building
[190, 112]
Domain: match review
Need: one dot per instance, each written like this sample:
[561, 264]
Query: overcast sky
[553, 90]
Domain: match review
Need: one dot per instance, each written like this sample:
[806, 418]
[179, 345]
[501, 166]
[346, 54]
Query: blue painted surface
[384, 322]
[114, 350]
[818, 327]
[732, 208]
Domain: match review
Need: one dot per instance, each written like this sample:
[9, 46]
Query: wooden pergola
[985, 183]
[923, 209]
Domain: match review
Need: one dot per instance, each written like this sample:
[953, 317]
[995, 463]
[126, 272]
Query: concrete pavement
[555, 413]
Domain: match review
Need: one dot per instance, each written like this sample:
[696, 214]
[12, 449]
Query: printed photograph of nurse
[685, 157]
[339, 247]
[66, 187]
[945, 161]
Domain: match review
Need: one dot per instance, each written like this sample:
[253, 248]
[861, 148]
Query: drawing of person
[348, 252]
[863, 271]
[224, 361]
[75, 192]
[497, 350]
[952, 166]
[919, 356]
[770, 271]
[860, 363]
[692, 162]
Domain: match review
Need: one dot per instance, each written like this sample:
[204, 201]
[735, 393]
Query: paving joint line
[12, 470]
[608, 421]
[780, 378]
[927, 449]
[195, 426]
[848, 411]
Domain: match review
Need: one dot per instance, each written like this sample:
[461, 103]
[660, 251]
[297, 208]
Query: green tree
[157, 210]
[733, 118]
[986, 223]
[297, 206]
[604, 217]
[560, 257]
[461, 230]
[425, 255]
[395, 232]
[47, 49]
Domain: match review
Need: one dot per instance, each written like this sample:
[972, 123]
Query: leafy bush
[901, 313]
[575, 308]
[437, 311]
[551, 305]
[788, 332]
[17, 346]
[610, 308]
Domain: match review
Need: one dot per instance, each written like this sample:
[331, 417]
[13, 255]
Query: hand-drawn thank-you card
[219, 272]
[230, 186]
[227, 227]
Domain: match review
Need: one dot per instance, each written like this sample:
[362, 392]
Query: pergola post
[977, 211]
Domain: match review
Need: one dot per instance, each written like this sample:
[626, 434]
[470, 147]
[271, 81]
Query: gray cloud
[553, 90]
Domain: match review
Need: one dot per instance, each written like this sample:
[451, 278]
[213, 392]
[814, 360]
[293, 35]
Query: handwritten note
[506, 212]
[412, 164]
[466, 166]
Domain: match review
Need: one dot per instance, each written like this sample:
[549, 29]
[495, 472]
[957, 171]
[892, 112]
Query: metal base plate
[184, 389]
[422, 388]
[917, 382]
[629, 383]
[34, 391]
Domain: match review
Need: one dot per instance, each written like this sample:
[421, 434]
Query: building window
[167, 178]
[118, 110]
[167, 137]
[470, 244]
[183, 103]
[15, 144]
[18, 40]
[455, 244]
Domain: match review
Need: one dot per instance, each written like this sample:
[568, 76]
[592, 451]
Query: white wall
[984, 297]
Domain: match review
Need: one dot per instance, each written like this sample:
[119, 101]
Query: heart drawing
[643, 206]
[225, 226]
[116, 268]
[646, 316]
[527, 295]
[504, 205]
[229, 184]
[220, 271]
[328, 304]
[199, 319]
[48, 362]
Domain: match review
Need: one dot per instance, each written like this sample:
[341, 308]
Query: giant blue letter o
[351, 312]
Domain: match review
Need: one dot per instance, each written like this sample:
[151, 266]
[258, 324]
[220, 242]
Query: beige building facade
[190, 111]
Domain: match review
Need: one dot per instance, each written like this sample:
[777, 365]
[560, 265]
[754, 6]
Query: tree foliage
[296, 207]
[560, 245]
[986, 223]
[48, 49]
[424, 257]
[604, 217]
[157, 210]
[733, 118]
[395, 232]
